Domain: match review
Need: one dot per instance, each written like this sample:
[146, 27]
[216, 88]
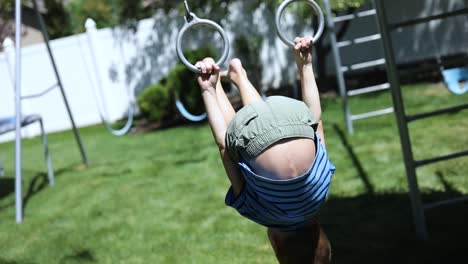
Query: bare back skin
[286, 159]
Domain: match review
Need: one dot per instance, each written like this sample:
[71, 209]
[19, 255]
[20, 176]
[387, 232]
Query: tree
[100, 11]
[6, 16]
[109, 13]
[57, 19]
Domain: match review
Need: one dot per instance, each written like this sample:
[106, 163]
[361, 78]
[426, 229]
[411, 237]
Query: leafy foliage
[100, 11]
[183, 81]
[343, 4]
[6, 15]
[57, 19]
[156, 100]
[247, 49]
[108, 13]
[130, 11]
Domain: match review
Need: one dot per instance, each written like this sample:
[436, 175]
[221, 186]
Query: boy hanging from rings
[273, 152]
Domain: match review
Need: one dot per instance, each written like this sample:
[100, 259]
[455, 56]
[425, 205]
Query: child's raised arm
[310, 94]
[207, 81]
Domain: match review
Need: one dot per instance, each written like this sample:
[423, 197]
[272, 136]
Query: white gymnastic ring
[195, 21]
[317, 9]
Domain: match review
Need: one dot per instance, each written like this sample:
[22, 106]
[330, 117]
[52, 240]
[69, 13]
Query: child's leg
[238, 76]
[305, 246]
[223, 101]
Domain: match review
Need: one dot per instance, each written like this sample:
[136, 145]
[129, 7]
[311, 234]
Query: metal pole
[59, 82]
[18, 189]
[338, 66]
[418, 210]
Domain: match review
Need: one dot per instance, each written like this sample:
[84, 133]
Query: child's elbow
[318, 117]
[221, 146]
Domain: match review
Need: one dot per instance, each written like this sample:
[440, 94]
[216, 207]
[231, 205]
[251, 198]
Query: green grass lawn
[159, 197]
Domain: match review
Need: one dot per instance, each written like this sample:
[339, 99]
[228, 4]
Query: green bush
[100, 11]
[154, 102]
[57, 20]
[183, 82]
[247, 49]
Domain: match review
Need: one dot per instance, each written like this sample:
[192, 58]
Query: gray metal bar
[452, 109]
[369, 89]
[430, 206]
[41, 93]
[50, 169]
[373, 113]
[420, 163]
[59, 83]
[18, 161]
[416, 203]
[363, 65]
[359, 40]
[353, 16]
[338, 65]
[412, 22]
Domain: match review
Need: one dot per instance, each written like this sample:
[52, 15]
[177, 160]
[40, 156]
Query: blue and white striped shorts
[284, 204]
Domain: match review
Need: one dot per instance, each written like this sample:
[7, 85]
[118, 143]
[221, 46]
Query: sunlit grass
[159, 197]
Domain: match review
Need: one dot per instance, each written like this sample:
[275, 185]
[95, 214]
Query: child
[274, 155]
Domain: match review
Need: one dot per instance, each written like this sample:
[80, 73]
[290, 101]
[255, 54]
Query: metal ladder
[419, 207]
[341, 69]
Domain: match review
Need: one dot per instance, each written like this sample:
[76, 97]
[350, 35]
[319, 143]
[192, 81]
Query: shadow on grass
[36, 185]
[352, 155]
[3, 261]
[379, 229]
[80, 256]
[7, 187]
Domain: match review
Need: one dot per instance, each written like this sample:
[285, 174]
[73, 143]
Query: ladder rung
[353, 16]
[369, 89]
[358, 40]
[445, 202]
[373, 113]
[452, 109]
[419, 163]
[363, 65]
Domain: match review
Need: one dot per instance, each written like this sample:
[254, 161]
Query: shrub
[154, 102]
[57, 19]
[247, 49]
[183, 83]
[100, 11]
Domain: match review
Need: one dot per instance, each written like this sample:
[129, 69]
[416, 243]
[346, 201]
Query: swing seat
[456, 80]
[9, 123]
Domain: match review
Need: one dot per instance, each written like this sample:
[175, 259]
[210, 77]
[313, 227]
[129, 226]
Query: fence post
[102, 95]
